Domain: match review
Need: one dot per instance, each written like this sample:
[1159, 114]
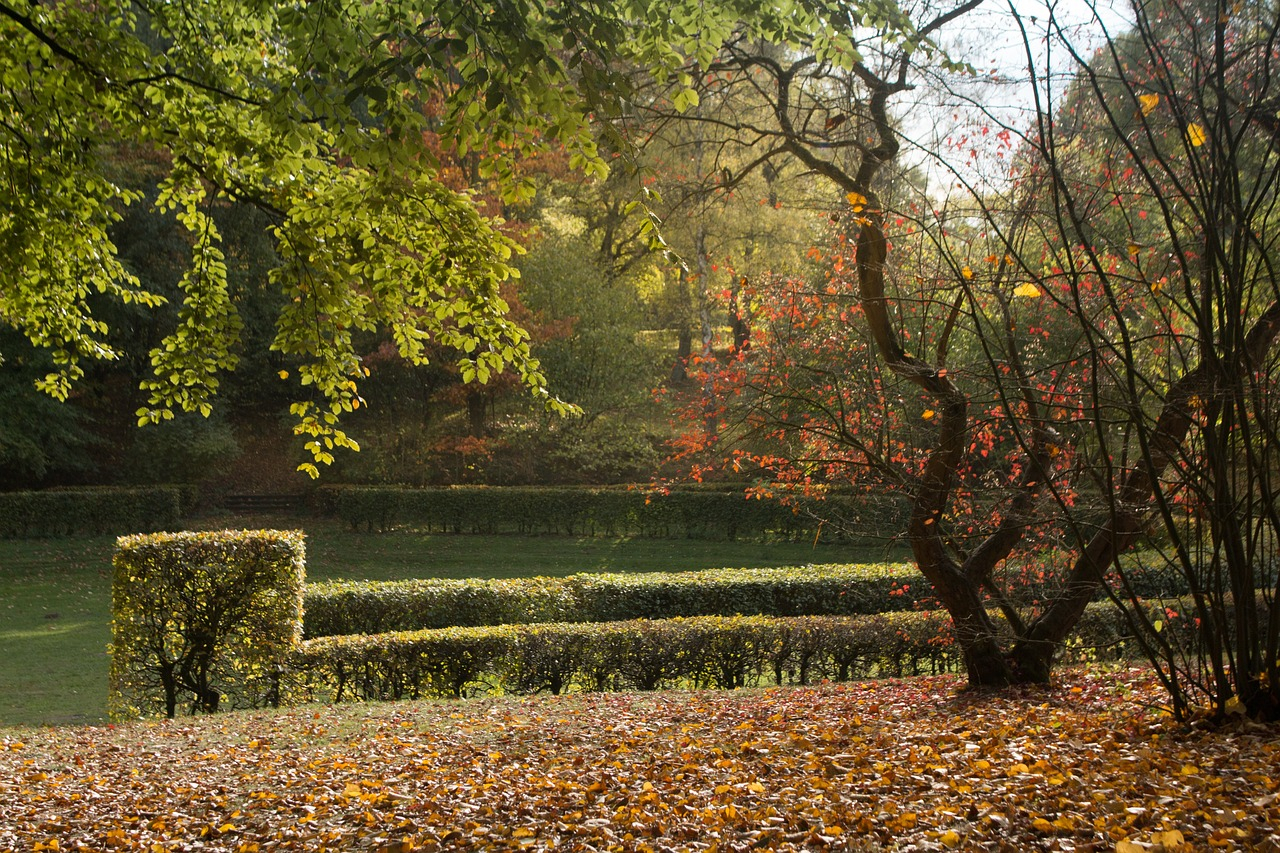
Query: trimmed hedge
[720, 652]
[347, 607]
[682, 513]
[66, 512]
[205, 619]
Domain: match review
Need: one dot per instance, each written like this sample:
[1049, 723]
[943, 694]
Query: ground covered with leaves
[1090, 764]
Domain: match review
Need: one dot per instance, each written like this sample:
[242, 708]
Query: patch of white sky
[1019, 51]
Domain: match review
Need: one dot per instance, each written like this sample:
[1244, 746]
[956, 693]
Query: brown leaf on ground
[1090, 764]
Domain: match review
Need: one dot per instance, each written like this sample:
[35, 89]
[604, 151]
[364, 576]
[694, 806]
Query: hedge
[690, 513]
[65, 512]
[349, 607]
[205, 619]
[708, 651]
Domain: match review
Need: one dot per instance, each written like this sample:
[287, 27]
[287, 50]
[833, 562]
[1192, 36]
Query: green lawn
[55, 595]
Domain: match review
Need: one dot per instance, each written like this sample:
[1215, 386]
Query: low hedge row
[90, 511]
[721, 652]
[691, 513]
[349, 607]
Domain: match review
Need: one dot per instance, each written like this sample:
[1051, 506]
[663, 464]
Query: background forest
[612, 324]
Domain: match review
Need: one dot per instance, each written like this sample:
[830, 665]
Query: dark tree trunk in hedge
[477, 412]
[169, 683]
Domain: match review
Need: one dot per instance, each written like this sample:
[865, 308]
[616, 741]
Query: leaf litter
[915, 764]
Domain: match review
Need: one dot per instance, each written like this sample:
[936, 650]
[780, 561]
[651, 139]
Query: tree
[315, 115]
[834, 120]
[40, 438]
[1089, 340]
[600, 359]
[1177, 210]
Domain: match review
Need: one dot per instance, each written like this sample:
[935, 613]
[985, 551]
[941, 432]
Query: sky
[990, 39]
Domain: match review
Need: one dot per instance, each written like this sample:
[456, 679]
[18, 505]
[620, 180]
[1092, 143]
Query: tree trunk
[1035, 651]
[169, 682]
[975, 632]
[477, 406]
[680, 368]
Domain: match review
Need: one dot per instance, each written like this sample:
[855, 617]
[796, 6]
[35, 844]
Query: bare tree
[1174, 208]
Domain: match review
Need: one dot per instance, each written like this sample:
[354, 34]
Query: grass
[55, 595]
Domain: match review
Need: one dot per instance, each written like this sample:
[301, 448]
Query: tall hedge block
[203, 620]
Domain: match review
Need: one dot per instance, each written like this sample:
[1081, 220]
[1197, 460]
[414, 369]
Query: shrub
[642, 654]
[348, 607]
[403, 665]
[373, 607]
[701, 513]
[99, 510]
[182, 450]
[203, 617]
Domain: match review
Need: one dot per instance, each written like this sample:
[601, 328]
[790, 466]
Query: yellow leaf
[352, 790]
[1135, 248]
[966, 271]
[1195, 135]
[756, 788]
[1148, 102]
[928, 414]
[523, 832]
[1026, 289]
[857, 199]
[1170, 839]
[284, 374]
[950, 838]
[1129, 847]
[1042, 825]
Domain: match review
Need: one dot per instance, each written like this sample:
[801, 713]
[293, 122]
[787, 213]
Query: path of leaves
[910, 765]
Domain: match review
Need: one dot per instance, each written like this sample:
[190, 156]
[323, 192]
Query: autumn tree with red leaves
[1077, 356]
[833, 119]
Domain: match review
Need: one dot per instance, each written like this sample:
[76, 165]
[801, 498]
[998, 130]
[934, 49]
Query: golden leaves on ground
[908, 765]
